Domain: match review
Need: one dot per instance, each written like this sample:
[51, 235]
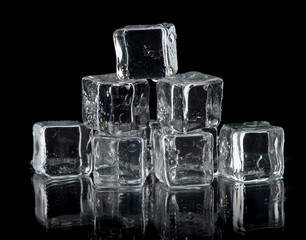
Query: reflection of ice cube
[118, 160]
[111, 105]
[189, 101]
[119, 213]
[251, 151]
[183, 159]
[61, 148]
[146, 51]
[63, 203]
[252, 206]
[184, 213]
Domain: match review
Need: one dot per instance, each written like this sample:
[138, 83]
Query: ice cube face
[189, 101]
[183, 159]
[214, 132]
[153, 125]
[251, 151]
[63, 203]
[118, 161]
[146, 51]
[110, 105]
[184, 213]
[61, 148]
[252, 206]
[119, 213]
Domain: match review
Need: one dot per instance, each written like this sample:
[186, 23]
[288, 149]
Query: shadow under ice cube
[146, 51]
[118, 160]
[183, 159]
[61, 148]
[251, 151]
[110, 105]
[189, 101]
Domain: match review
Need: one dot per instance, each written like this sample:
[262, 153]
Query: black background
[47, 49]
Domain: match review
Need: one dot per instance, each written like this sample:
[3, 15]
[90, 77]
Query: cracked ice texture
[111, 105]
[251, 151]
[146, 51]
[189, 101]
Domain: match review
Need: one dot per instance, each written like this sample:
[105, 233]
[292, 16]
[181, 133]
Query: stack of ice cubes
[185, 138]
[119, 143]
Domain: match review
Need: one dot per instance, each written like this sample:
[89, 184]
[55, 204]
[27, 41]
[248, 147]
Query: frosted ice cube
[146, 51]
[61, 148]
[249, 207]
[189, 101]
[63, 203]
[184, 213]
[110, 105]
[183, 159]
[251, 151]
[118, 160]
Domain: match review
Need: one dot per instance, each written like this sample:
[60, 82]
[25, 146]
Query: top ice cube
[146, 51]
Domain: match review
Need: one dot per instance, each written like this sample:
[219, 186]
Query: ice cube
[146, 51]
[189, 101]
[251, 151]
[118, 160]
[184, 213]
[63, 203]
[183, 159]
[61, 148]
[110, 105]
[249, 207]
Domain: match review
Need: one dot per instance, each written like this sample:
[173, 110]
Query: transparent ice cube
[118, 160]
[184, 213]
[146, 51]
[183, 159]
[119, 213]
[189, 101]
[63, 203]
[111, 105]
[61, 148]
[144, 134]
[251, 151]
[253, 206]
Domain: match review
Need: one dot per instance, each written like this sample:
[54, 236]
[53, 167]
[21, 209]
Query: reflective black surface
[256, 50]
[74, 208]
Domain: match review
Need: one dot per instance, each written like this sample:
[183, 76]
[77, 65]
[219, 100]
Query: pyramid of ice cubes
[119, 143]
